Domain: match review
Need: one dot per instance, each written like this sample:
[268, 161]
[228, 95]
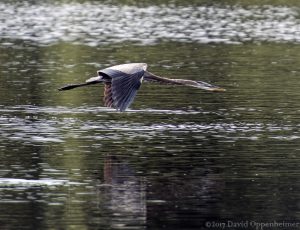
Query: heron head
[208, 87]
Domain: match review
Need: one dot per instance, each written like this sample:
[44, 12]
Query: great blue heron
[121, 83]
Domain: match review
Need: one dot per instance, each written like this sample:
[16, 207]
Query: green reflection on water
[256, 76]
[198, 152]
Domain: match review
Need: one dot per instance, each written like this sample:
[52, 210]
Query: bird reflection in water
[186, 198]
[123, 193]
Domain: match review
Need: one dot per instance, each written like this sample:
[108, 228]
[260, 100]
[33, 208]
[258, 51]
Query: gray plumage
[121, 83]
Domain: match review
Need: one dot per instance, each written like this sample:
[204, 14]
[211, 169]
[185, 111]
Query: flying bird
[121, 83]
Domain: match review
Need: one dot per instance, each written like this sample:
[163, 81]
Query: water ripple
[8, 182]
[50, 124]
[95, 24]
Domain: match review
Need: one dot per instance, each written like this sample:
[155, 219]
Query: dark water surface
[180, 158]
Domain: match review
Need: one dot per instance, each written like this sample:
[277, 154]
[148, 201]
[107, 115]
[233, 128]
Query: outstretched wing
[120, 92]
[124, 89]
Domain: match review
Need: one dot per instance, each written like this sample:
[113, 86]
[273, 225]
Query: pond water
[179, 158]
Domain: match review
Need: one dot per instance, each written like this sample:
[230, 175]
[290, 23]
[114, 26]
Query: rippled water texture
[94, 24]
[31, 129]
[179, 158]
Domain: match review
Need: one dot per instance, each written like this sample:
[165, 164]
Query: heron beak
[208, 87]
[217, 89]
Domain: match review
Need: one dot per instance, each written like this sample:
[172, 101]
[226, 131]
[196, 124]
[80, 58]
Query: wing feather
[122, 85]
[124, 89]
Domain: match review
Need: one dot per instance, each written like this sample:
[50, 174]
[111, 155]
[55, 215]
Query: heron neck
[154, 78]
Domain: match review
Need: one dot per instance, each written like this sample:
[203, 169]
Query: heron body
[121, 83]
